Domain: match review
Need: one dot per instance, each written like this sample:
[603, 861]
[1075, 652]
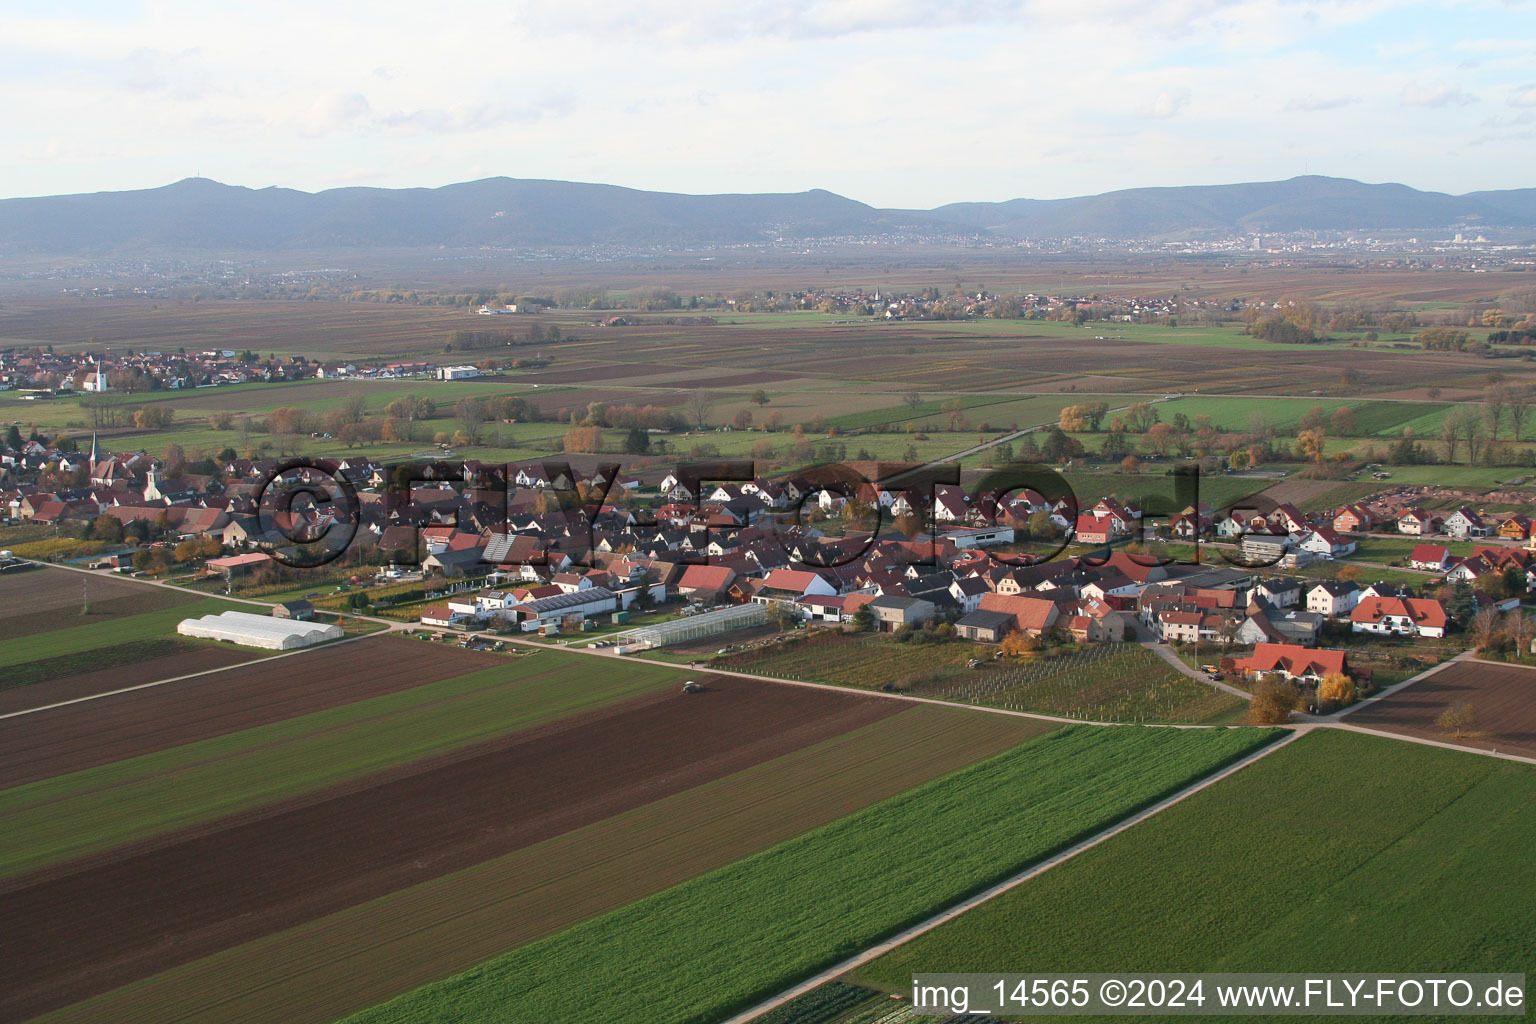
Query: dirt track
[76, 930]
[69, 739]
[1504, 697]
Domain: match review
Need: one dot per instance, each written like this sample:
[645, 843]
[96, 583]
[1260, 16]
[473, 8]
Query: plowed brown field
[1504, 697]
[68, 739]
[73, 931]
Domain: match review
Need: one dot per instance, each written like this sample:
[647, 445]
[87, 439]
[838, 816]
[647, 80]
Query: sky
[898, 103]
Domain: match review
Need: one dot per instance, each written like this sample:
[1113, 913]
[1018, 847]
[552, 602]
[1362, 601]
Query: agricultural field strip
[902, 938]
[73, 738]
[91, 926]
[75, 639]
[748, 930]
[158, 682]
[347, 961]
[1425, 741]
[69, 816]
[1302, 860]
[981, 708]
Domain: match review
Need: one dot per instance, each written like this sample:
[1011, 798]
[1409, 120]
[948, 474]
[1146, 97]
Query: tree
[1484, 628]
[107, 528]
[863, 620]
[1273, 702]
[469, 416]
[1336, 688]
[698, 409]
[354, 409]
[175, 460]
[1073, 419]
[1518, 628]
[1311, 444]
[1019, 644]
[912, 399]
[13, 438]
[1130, 464]
[1494, 403]
[760, 397]
[1518, 401]
[1342, 422]
[637, 442]
[1458, 719]
[1460, 605]
[742, 420]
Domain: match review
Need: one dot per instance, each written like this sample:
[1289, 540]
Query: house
[1515, 528]
[1032, 615]
[1430, 557]
[1325, 541]
[892, 612]
[706, 584]
[984, 626]
[1354, 519]
[1333, 598]
[1292, 663]
[1400, 615]
[300, 610]
[1279, 591]
[438, 615]
[1261, 549]
[1267, 624]
[1417, 522]
[1093, 529]
[1465, 523]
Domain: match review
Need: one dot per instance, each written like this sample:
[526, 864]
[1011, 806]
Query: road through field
[957, 909]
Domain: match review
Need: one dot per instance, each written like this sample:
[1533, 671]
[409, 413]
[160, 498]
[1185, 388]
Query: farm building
[266, 631]
[697, 627]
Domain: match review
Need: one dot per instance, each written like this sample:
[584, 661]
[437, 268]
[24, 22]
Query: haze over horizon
[891, 102]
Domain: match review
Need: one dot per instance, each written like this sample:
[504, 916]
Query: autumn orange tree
[1020, 645]
[1336, 688]
[1273, 702]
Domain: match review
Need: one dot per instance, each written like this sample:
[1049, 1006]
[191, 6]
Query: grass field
[347, 961]
[1354, 852]
[70, 638]
[700, 950]
[99, 808]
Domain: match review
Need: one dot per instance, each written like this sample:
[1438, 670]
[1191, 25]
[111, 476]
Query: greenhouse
[250, 630]
[697, 627]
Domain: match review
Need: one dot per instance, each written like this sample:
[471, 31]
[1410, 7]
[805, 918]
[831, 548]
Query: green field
[1340, 852]
[724, 940]
[127, 629]
[63, 817]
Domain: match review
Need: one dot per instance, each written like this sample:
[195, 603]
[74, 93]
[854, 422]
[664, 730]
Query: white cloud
[1165, 104]
[1310, 103]
[894, 102]
[1436, 94]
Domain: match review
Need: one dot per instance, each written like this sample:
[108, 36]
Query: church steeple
[95, 452]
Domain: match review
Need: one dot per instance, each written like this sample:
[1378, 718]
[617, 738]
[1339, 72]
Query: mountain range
[201, 214]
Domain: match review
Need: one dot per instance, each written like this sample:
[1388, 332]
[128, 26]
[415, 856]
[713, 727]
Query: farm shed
[697, 627]
[258, 630]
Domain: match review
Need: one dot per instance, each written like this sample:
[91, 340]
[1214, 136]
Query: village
[541, 550]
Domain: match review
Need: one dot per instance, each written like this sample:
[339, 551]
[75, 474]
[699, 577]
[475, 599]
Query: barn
[259, 631]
